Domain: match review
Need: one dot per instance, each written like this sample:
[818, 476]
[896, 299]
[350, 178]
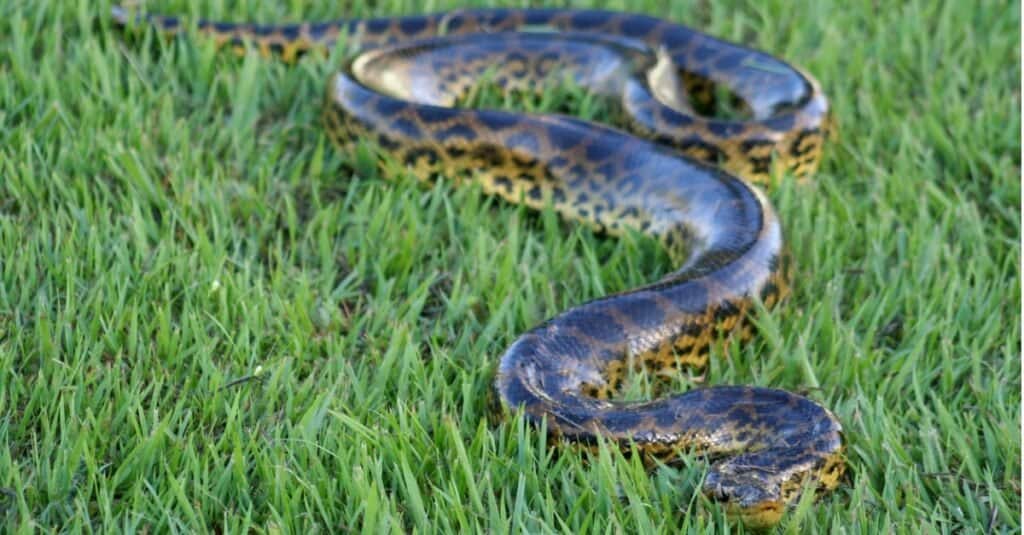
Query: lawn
[211, 320]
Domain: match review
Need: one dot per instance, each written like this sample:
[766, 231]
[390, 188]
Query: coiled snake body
[398, 93]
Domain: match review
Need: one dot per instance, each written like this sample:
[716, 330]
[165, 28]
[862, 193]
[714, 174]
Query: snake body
[671, 175]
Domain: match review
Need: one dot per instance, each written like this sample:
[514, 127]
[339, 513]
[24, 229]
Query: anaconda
[671, 174]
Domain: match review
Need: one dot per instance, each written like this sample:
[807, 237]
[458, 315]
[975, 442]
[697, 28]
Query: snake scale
[671, 174]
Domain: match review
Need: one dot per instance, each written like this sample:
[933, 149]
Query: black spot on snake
[436, 114]
[389, 106]
[377, 26]
[457, 131]
[497, 121]
[406, 127]
[412, 25]
[780, 123]
[415, 155]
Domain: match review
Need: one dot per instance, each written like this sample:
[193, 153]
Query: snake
[668, 167]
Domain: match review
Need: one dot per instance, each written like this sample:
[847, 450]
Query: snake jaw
[758, 516]
[752, 498]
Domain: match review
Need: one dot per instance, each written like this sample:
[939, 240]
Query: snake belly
[671, 174]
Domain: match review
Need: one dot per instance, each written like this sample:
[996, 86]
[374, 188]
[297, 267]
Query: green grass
[208, 322]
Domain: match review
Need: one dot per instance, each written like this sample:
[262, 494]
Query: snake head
[750, 495]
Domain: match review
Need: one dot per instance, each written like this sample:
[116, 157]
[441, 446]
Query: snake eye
[717, 491]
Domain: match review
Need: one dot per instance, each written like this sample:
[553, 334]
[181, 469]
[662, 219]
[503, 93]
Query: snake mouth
[760, 515]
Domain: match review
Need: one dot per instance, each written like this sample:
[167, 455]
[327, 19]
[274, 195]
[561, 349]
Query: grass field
[210, 322]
